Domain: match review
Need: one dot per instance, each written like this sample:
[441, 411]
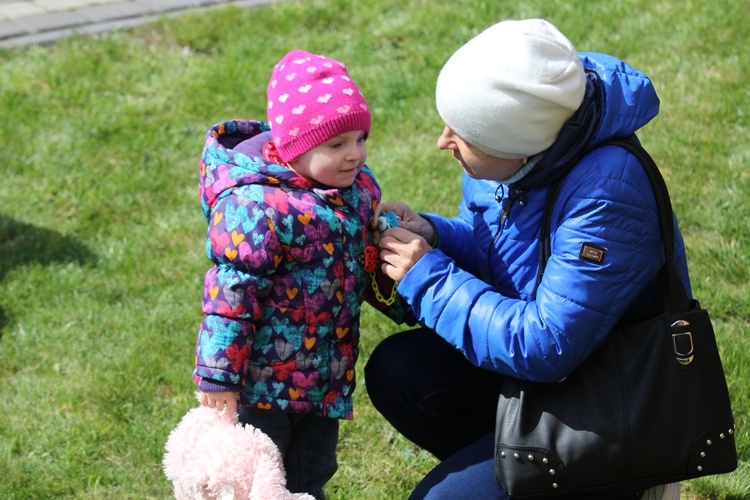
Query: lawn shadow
[23, 244]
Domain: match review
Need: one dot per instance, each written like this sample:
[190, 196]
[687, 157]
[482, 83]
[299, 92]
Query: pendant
[372, 258]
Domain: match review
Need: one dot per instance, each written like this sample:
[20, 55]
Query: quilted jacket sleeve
[244, 247]
[578, 301]
[455, 238]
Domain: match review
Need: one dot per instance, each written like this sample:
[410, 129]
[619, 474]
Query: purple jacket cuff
[207, 385]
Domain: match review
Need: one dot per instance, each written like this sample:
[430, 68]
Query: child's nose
[354, 153]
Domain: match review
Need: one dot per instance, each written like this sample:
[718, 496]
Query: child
[288, 216]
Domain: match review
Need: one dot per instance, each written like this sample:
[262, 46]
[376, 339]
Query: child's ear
[270, 153]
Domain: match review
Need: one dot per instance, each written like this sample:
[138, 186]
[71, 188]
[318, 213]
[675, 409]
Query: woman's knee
[399, 369]
[387, 363]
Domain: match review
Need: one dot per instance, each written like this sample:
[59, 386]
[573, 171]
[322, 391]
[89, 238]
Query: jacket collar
[573, 140]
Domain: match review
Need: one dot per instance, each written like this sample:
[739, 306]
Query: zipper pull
[506, 211]
[509, 201]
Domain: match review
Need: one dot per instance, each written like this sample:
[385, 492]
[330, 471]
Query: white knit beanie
[509, 90]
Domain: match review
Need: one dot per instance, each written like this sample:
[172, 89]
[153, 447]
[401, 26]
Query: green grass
[101, 237]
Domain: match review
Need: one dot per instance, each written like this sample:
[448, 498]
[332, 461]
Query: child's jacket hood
[232, 156]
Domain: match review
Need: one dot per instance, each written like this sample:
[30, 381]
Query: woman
[521, 109]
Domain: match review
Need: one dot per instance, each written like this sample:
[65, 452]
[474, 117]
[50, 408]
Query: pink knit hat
[311, 99]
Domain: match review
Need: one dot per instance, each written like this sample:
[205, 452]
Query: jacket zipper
[514, 194]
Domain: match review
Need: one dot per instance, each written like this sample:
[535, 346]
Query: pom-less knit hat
[509, 90]
[312, 99]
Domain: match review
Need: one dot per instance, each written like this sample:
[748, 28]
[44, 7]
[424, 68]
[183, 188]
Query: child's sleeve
[243, 245]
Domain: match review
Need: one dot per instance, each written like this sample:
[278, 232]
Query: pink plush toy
[209, 455]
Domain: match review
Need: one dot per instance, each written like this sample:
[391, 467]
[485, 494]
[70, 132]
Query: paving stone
[47, 22]
[8, 30]
[59, 5]
[252, 3]
[167, 5]
[36, 22]
[100, 2]
[30, 39]
[99, 13]
[19, 9]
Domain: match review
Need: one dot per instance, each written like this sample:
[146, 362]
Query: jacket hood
[618, 101]
[232, 157]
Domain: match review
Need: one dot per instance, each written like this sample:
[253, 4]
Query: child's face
[336, 162]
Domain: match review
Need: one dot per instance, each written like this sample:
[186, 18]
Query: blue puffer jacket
[477, 288]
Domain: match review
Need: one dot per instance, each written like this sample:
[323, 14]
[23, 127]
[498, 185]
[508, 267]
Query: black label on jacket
[592, 253]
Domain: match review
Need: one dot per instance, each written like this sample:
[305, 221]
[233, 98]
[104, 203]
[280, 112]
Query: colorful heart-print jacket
[282, 300]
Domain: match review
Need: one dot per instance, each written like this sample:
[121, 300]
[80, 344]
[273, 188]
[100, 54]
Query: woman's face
[477, 164]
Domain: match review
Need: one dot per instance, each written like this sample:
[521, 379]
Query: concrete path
[35, 22]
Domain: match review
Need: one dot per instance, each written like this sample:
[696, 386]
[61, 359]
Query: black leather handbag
[650, 406]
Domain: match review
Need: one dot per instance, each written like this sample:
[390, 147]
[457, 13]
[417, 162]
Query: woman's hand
[400, 249]
[218, 400]
[409, 220]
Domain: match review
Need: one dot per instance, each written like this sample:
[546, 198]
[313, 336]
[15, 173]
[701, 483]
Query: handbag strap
[671, 288]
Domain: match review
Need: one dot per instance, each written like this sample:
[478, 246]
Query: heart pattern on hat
[311, 99]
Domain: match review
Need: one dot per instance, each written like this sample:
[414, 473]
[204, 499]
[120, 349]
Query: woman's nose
[446, 139]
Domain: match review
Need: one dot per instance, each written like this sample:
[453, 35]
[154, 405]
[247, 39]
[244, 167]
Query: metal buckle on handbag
[682, 343]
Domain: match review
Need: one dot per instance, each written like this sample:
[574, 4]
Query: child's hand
[220, 399]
